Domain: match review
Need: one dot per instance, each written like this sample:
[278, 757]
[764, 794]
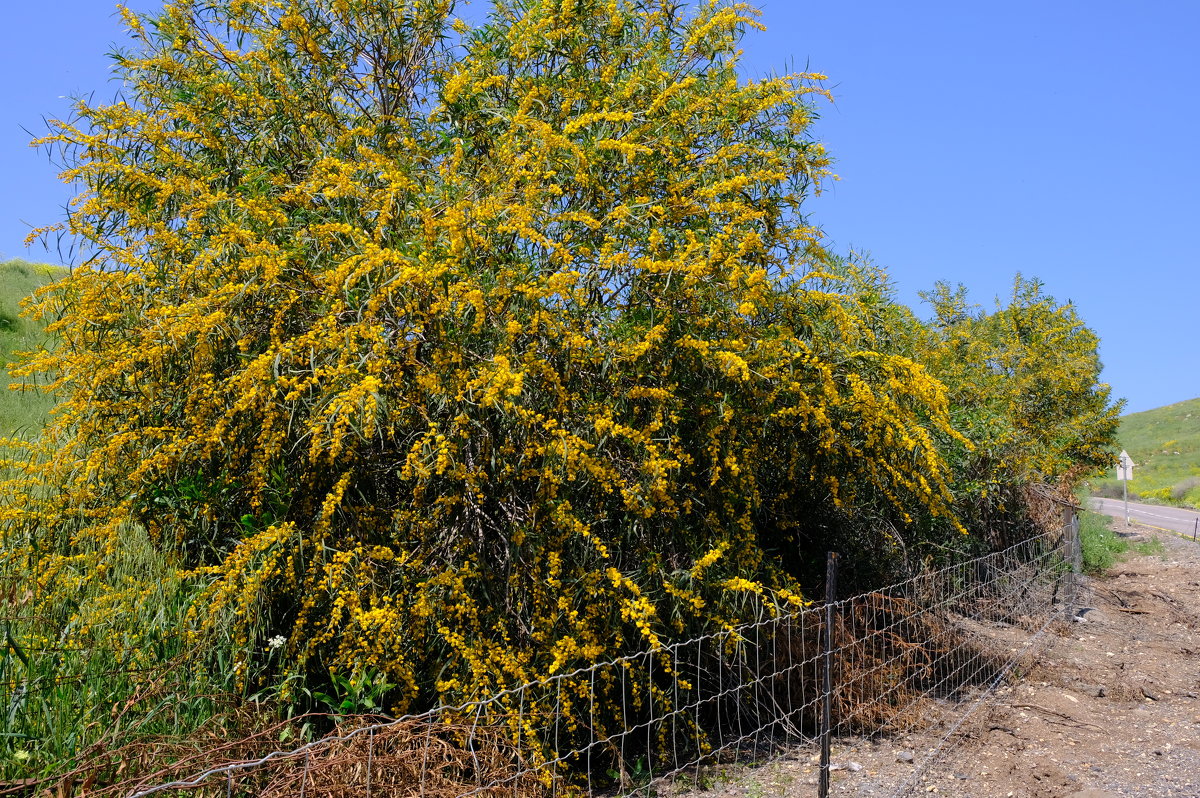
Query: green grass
[79, 681]
[22, 412]
[1150, 548]
[1101, 545]
[1165, 446]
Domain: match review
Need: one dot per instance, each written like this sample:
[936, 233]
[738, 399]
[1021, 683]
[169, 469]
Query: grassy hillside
[20, 411]
[1165, 446]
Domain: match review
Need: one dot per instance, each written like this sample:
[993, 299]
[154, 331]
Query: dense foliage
[442, 358]
[1023, 380]
[461, 364]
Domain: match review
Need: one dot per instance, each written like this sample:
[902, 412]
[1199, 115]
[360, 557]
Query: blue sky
[973, 140]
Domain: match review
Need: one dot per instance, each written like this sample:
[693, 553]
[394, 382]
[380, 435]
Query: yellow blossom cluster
[460, 356]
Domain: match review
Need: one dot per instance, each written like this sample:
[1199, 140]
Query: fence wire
[916, 655]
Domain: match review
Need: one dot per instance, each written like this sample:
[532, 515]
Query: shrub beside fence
[915, 654]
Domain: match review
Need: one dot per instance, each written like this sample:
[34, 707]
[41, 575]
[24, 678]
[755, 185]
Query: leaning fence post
[1069, 556]
[827, 671]
[1074, 557]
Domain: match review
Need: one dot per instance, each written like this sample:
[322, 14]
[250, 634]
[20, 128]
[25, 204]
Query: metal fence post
[827, 675]
[1079, 549]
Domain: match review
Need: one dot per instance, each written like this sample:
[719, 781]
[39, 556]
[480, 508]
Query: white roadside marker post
[1125, 473]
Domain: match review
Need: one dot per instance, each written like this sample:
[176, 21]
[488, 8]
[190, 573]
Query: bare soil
[1110, 707]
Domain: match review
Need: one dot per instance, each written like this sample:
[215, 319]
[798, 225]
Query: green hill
[21, 411]
[1165, 446]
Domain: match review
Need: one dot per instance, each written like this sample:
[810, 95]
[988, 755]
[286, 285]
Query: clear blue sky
[973, 140]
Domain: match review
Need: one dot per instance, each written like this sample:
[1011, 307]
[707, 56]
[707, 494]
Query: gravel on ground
[1110, 707]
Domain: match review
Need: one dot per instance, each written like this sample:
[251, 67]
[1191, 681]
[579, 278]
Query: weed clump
[1101, 545]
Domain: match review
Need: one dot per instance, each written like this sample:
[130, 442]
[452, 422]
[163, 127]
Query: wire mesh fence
[918, 654]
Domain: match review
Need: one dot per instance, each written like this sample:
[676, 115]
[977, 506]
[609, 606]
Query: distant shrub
[1111, 489]
[1156, 495]
[17, 267]
[1184, 487]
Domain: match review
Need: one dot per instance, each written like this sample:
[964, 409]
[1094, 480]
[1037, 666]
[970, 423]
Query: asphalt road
[1171, 519]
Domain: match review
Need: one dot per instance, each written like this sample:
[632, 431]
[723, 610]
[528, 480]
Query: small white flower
[276, 641]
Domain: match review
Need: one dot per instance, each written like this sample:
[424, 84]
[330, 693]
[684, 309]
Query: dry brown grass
[408, 758]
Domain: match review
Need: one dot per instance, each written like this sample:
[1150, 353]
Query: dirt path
[1111, 707]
